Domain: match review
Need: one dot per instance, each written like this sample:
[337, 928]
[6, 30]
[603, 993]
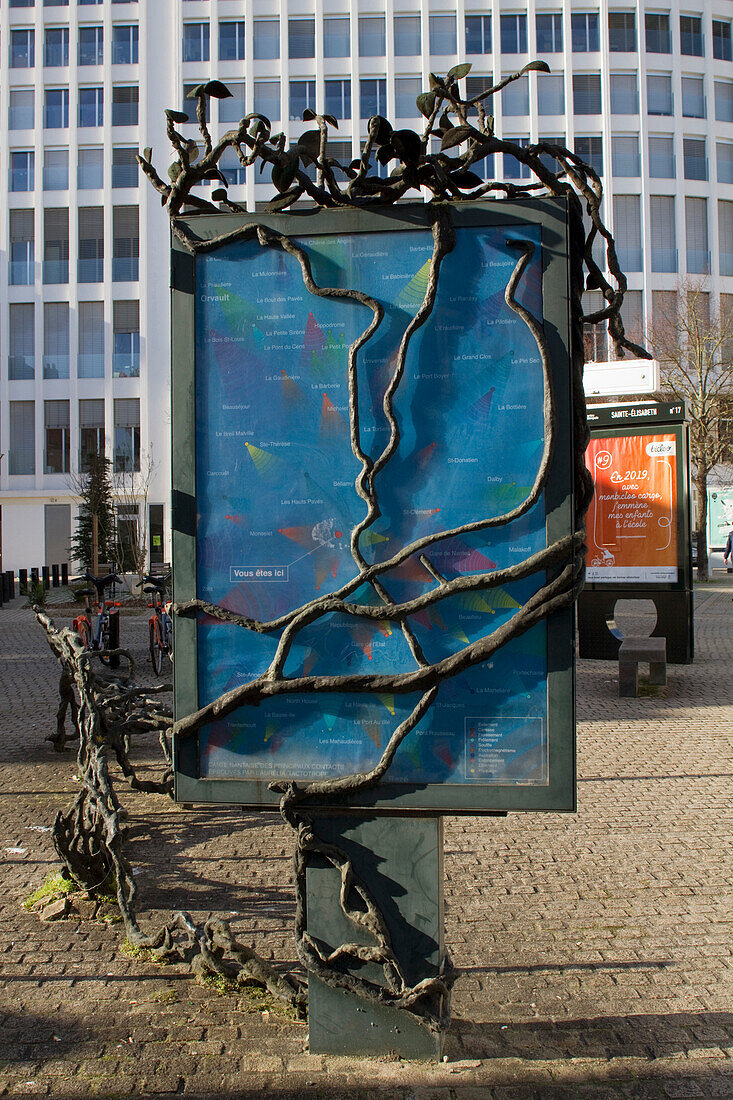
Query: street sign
[622, 377]
[280, 404]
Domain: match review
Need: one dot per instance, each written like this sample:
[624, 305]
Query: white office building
[642, 89]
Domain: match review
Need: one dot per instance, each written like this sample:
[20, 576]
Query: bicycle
[104, 633]
[160, 624]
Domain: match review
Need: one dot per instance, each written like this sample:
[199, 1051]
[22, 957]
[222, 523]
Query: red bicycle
[102, 634]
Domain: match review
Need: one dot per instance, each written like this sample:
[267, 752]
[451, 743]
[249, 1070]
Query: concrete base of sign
[596, 642]
[400, 860]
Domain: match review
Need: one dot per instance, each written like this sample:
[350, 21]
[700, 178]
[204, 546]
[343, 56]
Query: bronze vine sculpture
[306, 172]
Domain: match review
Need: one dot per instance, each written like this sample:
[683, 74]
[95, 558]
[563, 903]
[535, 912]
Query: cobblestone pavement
[595, 949]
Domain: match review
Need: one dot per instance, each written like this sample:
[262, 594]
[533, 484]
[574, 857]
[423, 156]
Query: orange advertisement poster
[631, 524]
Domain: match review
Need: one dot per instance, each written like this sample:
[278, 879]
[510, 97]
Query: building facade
[643, 90]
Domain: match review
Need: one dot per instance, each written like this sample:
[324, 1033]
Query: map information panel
[276, 502]
[632, 521]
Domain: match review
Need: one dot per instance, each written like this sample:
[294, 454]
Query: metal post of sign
[402, 861]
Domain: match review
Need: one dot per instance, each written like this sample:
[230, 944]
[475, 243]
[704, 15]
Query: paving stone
[595, 948]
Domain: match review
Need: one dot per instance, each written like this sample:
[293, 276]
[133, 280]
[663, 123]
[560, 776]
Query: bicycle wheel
[156, 647]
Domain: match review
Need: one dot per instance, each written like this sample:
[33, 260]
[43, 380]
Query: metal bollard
[34, 577]
[64, 574]
[23, 581]
[55, 576]
[46, 574]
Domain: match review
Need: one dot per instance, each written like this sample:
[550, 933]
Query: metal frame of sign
[648, 419]
[551, 216]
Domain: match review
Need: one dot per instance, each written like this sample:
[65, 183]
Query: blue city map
[276, 501]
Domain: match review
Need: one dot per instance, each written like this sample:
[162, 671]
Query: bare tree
[131, 491]
[694, 346]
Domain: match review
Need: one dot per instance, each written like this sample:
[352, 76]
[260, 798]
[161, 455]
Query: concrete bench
[632, 651]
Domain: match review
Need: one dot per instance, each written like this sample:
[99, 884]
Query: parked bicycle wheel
[157, 648]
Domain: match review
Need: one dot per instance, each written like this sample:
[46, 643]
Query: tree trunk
[701, 519]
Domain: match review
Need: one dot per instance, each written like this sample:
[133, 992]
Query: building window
[55, 245]
[55, 169]
[691, 39]
[725, 237]
[91, 106]
[301, 38]
[551, 95]
[232, 168]
[124, 167]
[595, 337]
[21, 3]
[302, 96]
[336, 37]
[723, 101]
[407, 89]
[475, 85]
[627, 231]
[659, 97]
[513, 30]
[90, 360]
[91, 45]
[21, 172]
[591, 151]
[231, 40]
[584, 32]
[372, 97]
[621, 31]
[663, 233]
[56, 47]
[624, 94]
[587, 93]
[231, 110]
[56, 109]
[266, 39]
[696, 236]
[722, 48]
[442, 32]
[21, 271]
[407, 36]
[21, 341]
[125, 244]
[515, 98]
[695, 158]
[625, 159]
[20, 109]
[22, 458]
[693, 97]
[516, 169]
[195, 41]
[56, 340]
[22, 49]
[125, 105]
[90, 169]
[658, 33]
[57, 444]
[549, 33]
[267, 98]
[91, 244]
[338, 98]
[91, 431]
[127, 434]
[126, 333]
[478, 33]
[371, 36]
[724, 160]
[661, 157]
[125, 45]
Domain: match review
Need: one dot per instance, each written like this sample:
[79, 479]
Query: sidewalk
[595, 949]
